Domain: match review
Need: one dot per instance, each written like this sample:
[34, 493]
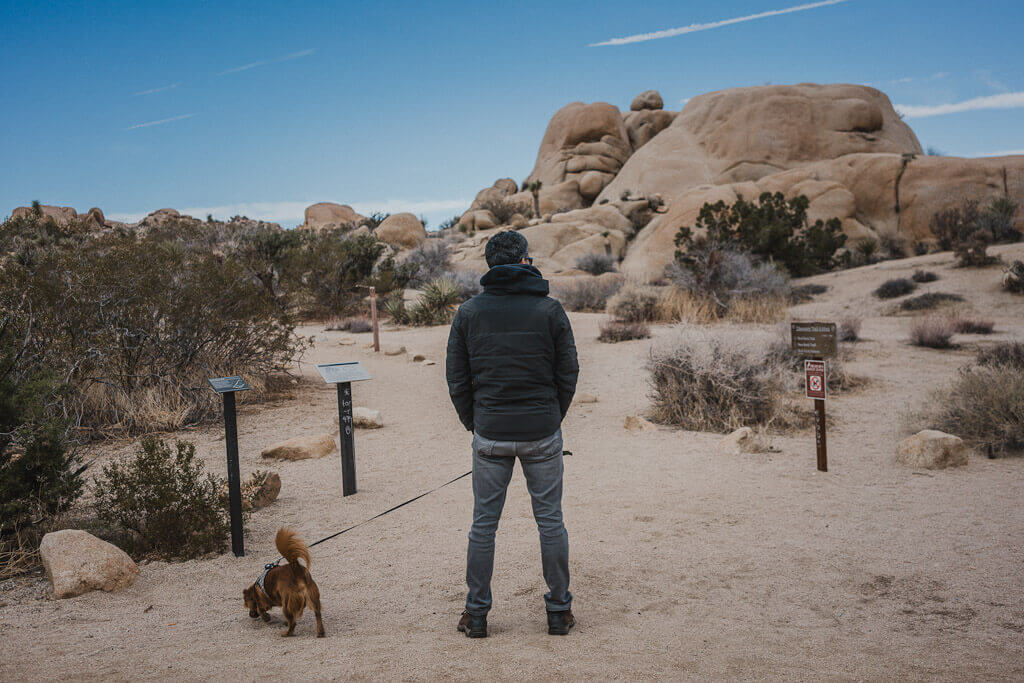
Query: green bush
[773, 228]
[970, 228]
[164, 502]
[395, 309]
[436, 305]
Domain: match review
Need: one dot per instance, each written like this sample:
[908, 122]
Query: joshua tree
[534, 189]
[37, 209]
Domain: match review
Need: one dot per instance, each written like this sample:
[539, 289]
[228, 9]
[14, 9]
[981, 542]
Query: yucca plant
[437, 303]
[394, 308]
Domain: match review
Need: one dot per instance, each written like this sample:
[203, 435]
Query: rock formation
[402, 231]
[327, 215]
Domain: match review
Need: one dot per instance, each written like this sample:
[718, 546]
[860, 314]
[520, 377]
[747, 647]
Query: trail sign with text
[814, 340]
[226, 387]
[343, 374]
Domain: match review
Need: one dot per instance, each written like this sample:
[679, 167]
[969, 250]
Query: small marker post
[373, 314]
[226, 387]
[815, 341]
[343, 374]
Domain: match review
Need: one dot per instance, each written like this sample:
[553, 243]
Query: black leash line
[377, 516]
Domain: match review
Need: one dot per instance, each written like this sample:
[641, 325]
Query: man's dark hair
[506, 247]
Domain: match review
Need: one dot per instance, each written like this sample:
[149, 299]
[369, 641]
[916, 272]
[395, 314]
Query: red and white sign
[815, 379]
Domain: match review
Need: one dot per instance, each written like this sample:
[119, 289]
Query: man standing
[511, 374]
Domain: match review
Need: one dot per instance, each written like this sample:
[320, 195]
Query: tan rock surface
[77, 562]
[401, 230]
[330, 215]
[301, 448]
[933, 450]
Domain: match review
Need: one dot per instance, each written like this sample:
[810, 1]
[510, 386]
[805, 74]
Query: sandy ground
[687, 564]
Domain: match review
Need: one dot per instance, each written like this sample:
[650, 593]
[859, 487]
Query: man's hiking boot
[559, 623]
[473, 625]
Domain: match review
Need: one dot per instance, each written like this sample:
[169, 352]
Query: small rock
[268, 492]
[301, 448]
[77, 562]
[418, 357]
[736, 442]
[367, 418]
[430, 362]
[586, 398]
[348, 342]
[932, 450]
[635, 423]
[392, 350]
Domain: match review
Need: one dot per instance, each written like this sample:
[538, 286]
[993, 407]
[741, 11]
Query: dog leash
[268, 567]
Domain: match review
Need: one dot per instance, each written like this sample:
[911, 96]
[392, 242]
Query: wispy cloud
[156, 90]
[264, 62]
[1002, 153]
[294, 212]
[693, 28]
[1008, 100]
[986, 77]
[158, 122]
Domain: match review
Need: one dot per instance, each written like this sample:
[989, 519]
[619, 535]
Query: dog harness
[263, 576]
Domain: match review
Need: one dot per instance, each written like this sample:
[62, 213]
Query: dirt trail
[686, 563]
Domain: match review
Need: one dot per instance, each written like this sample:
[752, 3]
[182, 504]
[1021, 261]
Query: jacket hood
[514, 279]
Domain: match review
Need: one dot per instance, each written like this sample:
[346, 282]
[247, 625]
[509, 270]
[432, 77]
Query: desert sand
[687, 563]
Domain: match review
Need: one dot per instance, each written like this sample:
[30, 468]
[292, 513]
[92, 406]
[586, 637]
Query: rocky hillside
[843, 146]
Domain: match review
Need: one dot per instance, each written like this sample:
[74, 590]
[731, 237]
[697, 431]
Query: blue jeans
[492, 470]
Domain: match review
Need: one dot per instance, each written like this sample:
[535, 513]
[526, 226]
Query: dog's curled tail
[291, 547]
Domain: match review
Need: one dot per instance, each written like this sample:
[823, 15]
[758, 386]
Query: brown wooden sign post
[816, 341]
[373, 315]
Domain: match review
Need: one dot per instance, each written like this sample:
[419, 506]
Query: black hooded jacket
[512, 364]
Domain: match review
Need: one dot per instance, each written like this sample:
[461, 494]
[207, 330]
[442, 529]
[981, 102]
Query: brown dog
[289, 587]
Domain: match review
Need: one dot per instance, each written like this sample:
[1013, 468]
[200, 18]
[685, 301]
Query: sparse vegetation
[634, 303]
[969, 229]
[394, 307]
[804, 293]
[890, 289]
[161, 503]
[714, 381]
[503, 209]
[534, 189]
[596, 264]
[613, 331]
[922, 276]
[893, 247]
[585, 293]
[427, 262]
[1013, 278]
[968, 325]
[934, 332]
[849, 329]
[867, 249]
[929, 300]
[985, 403]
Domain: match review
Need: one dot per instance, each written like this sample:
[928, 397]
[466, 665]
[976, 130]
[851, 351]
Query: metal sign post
[816, 340]
[373, 315]
[226, 387]
[343, 374]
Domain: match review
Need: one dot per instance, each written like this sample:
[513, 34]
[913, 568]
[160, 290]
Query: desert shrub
[921, 276]
[337, 269]
[984, 405]
[586, 294]
[596, 264]
[713, 381]
[613, 331]
[968, 229]
[804, 293]
[468, 283]
[449, 223]
[934, 332]
[774, 229]
[427, 262]
[394, 307]
[893, 247]
[634, 303]
[678, 305]
[374, 220]
[503, 209]
[133, 326]
[436, 305]
[163, 501]
[849, 329]
[780, 353]
[867, 249]
[1009, 354]
[359, 325]
[724, 274]
[890, 289]
[965, 325]
[929, 300]
[1013, 278]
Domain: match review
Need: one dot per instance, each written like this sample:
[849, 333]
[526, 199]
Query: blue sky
[263, 108]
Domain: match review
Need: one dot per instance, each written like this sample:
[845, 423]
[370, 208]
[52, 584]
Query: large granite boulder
[327, 215]
[402, 231]
[77, 562]
[933, 450]
[61, 215]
